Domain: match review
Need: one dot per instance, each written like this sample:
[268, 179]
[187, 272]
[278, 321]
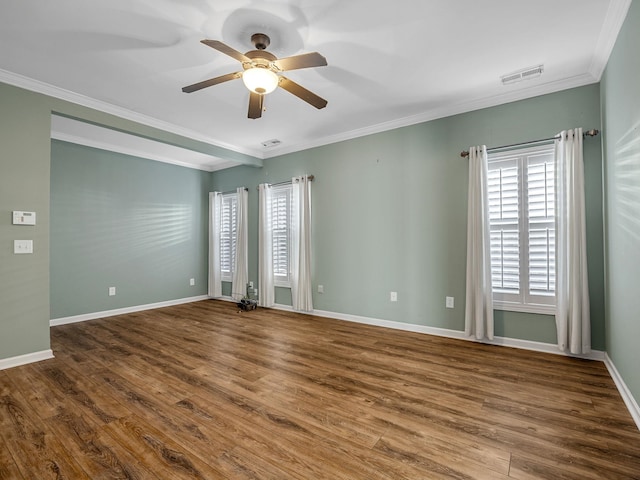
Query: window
[522, 219]
[228, 232]
[281, 230]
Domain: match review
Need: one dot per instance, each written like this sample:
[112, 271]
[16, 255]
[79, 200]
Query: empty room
[281, 239]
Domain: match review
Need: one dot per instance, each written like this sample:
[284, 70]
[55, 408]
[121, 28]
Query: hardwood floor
[201, 391]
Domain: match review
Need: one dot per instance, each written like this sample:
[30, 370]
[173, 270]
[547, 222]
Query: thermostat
[24, 218]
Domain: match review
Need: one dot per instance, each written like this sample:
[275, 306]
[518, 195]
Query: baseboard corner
[19, 360]
[625, 393]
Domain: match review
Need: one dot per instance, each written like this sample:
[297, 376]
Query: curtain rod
[591, 133]
[310, 177]
[233, 191]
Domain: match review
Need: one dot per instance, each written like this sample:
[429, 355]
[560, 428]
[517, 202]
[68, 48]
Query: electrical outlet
[449, 302]
[250, 284]
[112, 291]
[393, 296]
[320, 288]
[192, 281]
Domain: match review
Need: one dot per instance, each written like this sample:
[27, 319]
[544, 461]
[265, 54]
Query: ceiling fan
[261, 73]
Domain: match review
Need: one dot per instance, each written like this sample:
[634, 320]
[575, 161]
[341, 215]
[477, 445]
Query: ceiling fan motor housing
[259, 58]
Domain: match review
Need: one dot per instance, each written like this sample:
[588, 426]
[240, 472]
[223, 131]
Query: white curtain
[241, 261]
[215, 275]
[301, 291]
[479, 300]
[573, 322]
[266, 295]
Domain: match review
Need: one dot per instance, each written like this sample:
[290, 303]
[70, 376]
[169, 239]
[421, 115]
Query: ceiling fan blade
[212, 81]
[226, 49]
[306, 60]
[255, 105]
[302, 93]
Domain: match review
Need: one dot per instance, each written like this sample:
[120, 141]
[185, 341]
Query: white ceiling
[390, 63]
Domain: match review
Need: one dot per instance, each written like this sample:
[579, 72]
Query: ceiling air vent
[271, 143]
[526, 74]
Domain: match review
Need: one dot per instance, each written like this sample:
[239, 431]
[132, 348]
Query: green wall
[24, 185]
[123, 221]
[25, 158]
[621, 123]
[389, 213]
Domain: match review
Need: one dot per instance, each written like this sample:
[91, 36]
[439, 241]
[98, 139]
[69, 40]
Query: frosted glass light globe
[260, 80]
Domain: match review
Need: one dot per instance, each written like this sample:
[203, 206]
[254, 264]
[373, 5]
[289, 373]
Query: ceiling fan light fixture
[260, 80]
[261, 73]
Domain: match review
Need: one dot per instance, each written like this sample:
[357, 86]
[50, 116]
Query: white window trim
[524, 308]
[523, 302]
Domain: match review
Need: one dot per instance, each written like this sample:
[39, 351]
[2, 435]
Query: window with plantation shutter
[228, 232]
[281, 230]
[522, 219]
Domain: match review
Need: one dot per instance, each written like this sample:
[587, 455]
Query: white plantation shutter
[522, 218]
[281, 233]
[541, 217]
[504, 215]
[228, 233]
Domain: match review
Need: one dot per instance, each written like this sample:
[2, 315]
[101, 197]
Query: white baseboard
[444, 332]
[120, 311]
[625, 393]
[225, 299]
[26, 358]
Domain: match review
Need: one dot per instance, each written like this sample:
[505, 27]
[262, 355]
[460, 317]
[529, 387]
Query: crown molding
[37, 86]
[95, 136]
[437, 113]
[111, 147]
[613, 21]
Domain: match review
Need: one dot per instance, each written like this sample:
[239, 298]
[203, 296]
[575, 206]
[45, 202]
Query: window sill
[516, 307]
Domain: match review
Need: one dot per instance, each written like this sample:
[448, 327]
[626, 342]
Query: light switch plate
[22, 246]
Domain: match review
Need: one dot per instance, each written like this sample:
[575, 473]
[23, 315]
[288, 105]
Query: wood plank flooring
[202, 391]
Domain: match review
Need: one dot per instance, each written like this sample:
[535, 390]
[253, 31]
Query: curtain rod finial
[464, 154]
